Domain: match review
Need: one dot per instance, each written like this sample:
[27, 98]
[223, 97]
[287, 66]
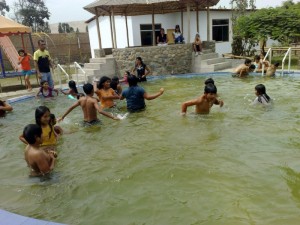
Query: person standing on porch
[43, 63]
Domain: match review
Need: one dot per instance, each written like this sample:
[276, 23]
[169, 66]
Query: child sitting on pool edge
[204, 102]
[39, 161]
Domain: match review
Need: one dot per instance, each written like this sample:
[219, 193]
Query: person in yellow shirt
[43, 63]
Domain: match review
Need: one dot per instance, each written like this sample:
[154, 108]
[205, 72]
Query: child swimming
[262, 97]
[204, 102]
[72, 90]
[45, 90]
[4, 107]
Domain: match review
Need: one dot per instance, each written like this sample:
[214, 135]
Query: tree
[281, 24]
[65, 28]
[3, 6]
[32, 13]
[239, 8]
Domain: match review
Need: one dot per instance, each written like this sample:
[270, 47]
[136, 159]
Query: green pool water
[237, 165]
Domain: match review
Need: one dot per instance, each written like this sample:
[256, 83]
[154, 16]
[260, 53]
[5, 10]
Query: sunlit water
[237, 165]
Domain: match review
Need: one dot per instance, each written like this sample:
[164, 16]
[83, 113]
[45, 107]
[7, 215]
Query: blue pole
[2, 63]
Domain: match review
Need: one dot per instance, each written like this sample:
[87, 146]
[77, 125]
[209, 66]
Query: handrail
[283, 60]
[67, 75]
[270, 60]
[76, 65]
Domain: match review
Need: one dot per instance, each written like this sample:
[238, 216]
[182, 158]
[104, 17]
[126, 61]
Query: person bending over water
[204, 102]
[243, 69]
[262, 97]
[135, 95]
[89, 106]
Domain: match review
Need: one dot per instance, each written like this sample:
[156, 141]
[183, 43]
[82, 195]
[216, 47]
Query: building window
[220, 30]
[146, 33]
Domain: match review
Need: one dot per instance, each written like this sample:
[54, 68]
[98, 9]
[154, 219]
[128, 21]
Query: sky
[62, 11]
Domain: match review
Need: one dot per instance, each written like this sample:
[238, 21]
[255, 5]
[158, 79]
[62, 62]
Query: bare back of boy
[38, 160]
[89, 107]
[242, 70]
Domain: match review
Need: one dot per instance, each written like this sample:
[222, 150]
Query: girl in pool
[262, 97]
[105, 93]
[72, 92]
[45, 90]
[4, 107]
[115, 85]
[42, 118]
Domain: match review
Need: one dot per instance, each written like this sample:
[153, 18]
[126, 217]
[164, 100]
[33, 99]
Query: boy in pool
[243, 69]
[89, 106]
[272, 69]
[39, 161]
[204, 102]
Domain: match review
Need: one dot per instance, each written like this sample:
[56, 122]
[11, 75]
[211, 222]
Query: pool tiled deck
[7, 218]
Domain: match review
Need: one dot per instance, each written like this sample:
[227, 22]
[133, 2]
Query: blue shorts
[26, 72]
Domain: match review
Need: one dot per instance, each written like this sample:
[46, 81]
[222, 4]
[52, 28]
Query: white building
[140, 29]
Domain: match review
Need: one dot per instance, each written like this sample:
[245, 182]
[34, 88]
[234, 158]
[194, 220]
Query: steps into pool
[209, 62]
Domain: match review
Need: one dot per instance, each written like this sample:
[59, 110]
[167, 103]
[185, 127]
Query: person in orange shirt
[105, 93]
[24, 61]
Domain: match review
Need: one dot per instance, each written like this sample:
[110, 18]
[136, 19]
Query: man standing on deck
[42, 62]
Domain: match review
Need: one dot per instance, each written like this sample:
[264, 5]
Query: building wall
[167, 21]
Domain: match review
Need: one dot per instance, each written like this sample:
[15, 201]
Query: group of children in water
[41, 138]
[258, 66]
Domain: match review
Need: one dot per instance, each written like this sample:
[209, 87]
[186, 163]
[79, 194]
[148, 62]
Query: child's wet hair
[39, 112]
[256, 57]
[132, 80]
[247, 61]
[88, 88]
[261, 90]
[52, 119]
[31, 132]
[43, 82]
[102, 81]
[252, 67]
[114, 84]
[128, 73]
[209, 81]
[72, 85]
[210, 89]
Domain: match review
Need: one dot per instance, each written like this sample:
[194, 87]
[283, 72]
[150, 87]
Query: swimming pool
[237, 165]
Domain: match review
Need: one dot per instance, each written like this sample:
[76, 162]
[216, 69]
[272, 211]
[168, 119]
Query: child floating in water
[262, 97]
[89, 106]
[72, 92]
[39, 161]
[46, 91]
[204, 102]
[4, 107]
